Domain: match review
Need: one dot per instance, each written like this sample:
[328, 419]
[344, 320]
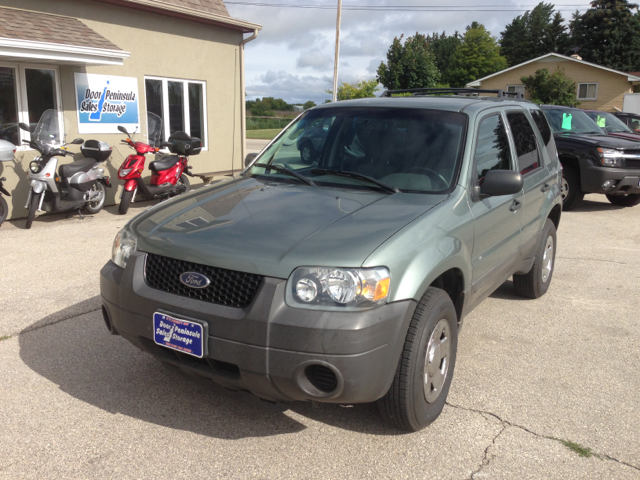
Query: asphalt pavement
[546, 388]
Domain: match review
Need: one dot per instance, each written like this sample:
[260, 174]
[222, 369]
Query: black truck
[592, 161]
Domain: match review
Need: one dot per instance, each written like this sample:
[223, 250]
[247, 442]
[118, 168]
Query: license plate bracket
[180, 334]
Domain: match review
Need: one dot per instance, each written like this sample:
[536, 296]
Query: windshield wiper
[359, 176]
[285, 170]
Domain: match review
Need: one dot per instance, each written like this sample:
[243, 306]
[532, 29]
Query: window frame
[23, 102]
[187, 118]
[514, 150]
[475, 182]
[587, 99]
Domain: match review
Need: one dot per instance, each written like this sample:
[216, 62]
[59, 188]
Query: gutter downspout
[243, 116]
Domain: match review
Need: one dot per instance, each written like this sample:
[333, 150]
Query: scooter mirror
[123, 130]
[77, 141]
[25, 127]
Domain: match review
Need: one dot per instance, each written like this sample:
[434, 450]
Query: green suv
[346, 280]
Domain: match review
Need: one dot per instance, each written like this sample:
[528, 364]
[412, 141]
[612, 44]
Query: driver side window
[492, 147]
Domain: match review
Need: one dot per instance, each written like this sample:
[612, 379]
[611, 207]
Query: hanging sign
[106, 101]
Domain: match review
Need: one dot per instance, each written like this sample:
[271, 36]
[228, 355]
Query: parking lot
[544, 388]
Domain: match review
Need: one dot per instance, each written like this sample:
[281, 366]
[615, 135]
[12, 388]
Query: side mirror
[123, 130]
[249, 158]
[77, 141]
[501, 182]
[25, 127]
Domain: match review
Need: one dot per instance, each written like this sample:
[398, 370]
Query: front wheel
[630, 200]
[536, 281]
[33, 206]
[570, 189]
[98, 195]
[423, 376]
[4, 210]
[125, 201]
[307, 154]
[184, 183]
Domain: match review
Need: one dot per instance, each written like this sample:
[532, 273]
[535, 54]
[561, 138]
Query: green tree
[266, 106]
[443, 47]
[360, 89]
[551, 88]
[409, 65]
[608, 34]
[477, 56]
[309, 104]
[536, 33]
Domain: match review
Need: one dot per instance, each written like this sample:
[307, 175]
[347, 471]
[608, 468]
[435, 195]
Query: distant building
[597, 87]
[298, 108]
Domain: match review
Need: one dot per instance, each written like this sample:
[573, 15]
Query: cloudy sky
[292, 58]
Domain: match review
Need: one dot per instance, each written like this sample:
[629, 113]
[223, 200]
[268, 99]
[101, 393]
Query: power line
[408, 8]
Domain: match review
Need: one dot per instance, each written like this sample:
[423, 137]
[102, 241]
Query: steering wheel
[432, 174]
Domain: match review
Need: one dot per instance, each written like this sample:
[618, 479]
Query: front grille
[632, 163]
[227, 287]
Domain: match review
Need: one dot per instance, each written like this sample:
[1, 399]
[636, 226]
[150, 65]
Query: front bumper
[625, 180]
[267, 347]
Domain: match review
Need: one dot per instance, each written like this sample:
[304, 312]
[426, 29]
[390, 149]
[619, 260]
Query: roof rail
[416, 92]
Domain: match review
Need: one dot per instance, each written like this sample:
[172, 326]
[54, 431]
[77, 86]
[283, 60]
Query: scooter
[168, 174]
[7, 149]
[77, 185]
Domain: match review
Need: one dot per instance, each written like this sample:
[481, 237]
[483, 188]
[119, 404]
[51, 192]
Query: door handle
[515, 205]
[546, 187]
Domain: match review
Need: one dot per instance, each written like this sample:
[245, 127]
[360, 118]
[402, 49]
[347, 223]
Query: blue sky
[292, 58]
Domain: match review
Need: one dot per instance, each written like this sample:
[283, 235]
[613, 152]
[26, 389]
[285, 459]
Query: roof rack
[416, 92]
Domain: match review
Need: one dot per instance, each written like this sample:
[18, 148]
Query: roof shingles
[42, 27]
[208, 6]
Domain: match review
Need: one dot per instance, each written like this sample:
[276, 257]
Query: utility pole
[335, 65]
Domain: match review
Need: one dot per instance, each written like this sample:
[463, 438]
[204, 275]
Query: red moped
[168, 174]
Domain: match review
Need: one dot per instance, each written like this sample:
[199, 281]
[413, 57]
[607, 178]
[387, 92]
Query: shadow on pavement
[506, 291]
[74, 350]
[588, 206]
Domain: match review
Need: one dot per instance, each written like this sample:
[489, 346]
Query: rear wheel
[630, 200]
[535, 282]
[125, 201]
[570, 189]
[4, 210]
[307, 154]
[184, 181]
[423, 376]
[33, 206]
[99, 195]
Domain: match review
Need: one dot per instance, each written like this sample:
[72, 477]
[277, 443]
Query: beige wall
[611, 86]
[159, 46]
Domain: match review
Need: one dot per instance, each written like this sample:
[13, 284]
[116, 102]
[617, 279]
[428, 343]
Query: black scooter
[4, 208]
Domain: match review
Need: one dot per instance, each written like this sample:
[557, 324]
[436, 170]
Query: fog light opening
[321, 377]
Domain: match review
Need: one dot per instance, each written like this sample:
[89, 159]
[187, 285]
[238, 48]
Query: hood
[633, 136]
[597, 140]
[271, 228]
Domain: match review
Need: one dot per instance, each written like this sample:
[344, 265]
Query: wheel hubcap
[564, 188]
[306, 153]
[547, 260]
[436, 364]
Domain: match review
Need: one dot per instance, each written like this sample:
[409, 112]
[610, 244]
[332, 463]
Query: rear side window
[492, 148]
[545, 131]
[525, 141]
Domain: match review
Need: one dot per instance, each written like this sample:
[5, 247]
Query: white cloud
[314, 59]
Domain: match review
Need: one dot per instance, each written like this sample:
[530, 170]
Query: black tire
[33, 206]
[4, 210]
[574, 194]
[405, 405]
[307, 154]
[629, 200]
[536, 281]
[125, 201]
[94, 207]
[185, 181]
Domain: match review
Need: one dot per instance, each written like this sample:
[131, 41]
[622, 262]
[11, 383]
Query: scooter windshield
[153, 137]
[47, 131]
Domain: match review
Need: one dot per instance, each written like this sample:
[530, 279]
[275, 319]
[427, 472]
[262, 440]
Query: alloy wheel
[547, 259]
[436, 364]
[564, 188]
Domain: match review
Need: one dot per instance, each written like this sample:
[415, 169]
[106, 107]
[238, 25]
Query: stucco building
[597, 87]
[180, 59]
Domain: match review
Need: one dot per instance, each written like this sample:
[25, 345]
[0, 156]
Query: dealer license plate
[182, 335]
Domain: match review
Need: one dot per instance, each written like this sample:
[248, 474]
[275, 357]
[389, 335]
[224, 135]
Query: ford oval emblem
[194, 280]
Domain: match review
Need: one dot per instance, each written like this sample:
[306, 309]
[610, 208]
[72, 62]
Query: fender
[37, 186]
[130, 185]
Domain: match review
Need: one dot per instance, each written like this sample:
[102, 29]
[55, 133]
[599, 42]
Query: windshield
[609, 122]
[571, 121]
[409, 149]
[153, 137]
[47, 131]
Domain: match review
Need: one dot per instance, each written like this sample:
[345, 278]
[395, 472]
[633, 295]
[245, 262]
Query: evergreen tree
[608, 34]
[477, 56]
[409, 65]
[443, 47]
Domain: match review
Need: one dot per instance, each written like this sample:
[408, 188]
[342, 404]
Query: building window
[587, 91]
[26, 92]
[180, 103]
[515, 89]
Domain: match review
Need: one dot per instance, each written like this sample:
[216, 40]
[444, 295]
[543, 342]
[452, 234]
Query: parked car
[312, 139]
[612, 125]
[632, 120]
[346, 281]
[592, 161]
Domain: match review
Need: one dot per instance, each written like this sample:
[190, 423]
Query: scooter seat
[165, 163]
[70, 169]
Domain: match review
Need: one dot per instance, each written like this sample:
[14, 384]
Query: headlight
[35, 166]
[125, 171]
[610, 157]
[124, 245]
[338, 288]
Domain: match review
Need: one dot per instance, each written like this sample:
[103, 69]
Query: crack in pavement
[507, 423]
[485, 457]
